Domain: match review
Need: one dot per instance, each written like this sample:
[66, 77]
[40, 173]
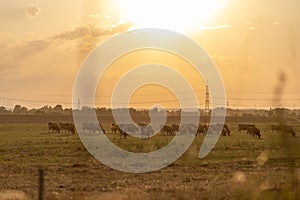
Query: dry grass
[239, 167]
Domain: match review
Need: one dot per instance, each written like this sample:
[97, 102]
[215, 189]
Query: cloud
[32, 11]
[215, 27]
[73, 34]
[15, 54]
[93, 31]
[36, 45]
[119, 28]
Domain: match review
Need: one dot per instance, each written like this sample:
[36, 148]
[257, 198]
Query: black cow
[225, 130]
[254, 131]
[202, 129]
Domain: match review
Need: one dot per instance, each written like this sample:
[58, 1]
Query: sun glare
[180, 15]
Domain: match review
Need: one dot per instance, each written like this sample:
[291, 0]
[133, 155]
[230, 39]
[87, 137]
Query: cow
[245, 127]
[276, 128]
[114, 128]
[93, 127]
[225, 127]
[175, 128]
[122, 130]
[63, 126]
[254, 131]
[284, 128]
[166, 130]
[132, 129]
[145, 130]
[214, 128]
[289, 129]
[188, 129]
[53, 127]
[125, 129]
[67, 127]
[202, 129]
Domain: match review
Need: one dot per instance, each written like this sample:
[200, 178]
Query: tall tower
[207, 100]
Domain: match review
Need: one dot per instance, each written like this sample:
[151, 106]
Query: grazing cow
[214, 128]
[132, 129]
[53, 127]
[125, 129]
[276, 128]
[145, 130]
[202, 129]
[114, 128]
[71, 128]
[284, 128]
[68, 127]
[254, 131]
[63, 126]
[189, 129]
[226, 129]
[93, 127]
[166, 130]
[121, 130]
[175, 128]
[289, 129]
[245, 127]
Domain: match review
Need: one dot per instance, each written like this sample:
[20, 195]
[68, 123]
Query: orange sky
[252, 42]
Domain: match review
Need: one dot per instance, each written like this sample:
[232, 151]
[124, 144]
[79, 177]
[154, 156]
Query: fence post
[41, 184]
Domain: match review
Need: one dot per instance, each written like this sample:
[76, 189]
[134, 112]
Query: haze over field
[255, 45]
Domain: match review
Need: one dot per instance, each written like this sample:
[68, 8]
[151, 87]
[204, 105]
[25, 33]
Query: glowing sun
[178, 15]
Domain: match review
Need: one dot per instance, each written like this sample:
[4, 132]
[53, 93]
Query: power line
[122, 104]
[146, 95]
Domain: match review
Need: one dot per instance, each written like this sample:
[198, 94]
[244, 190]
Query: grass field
[239, 167]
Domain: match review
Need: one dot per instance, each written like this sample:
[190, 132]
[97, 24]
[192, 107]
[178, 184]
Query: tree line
[60, 110]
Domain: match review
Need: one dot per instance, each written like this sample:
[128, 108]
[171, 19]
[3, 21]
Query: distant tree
[67, 111]
[18, 109]
[3, 110]
[44, 110]
[58, 109]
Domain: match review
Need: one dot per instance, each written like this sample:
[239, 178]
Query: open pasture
[239, 167]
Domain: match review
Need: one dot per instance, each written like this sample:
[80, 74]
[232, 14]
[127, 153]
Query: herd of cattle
[145, 131]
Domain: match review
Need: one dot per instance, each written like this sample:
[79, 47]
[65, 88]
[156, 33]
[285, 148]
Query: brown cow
[68, 127]
[166, 130]
[53, 127]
